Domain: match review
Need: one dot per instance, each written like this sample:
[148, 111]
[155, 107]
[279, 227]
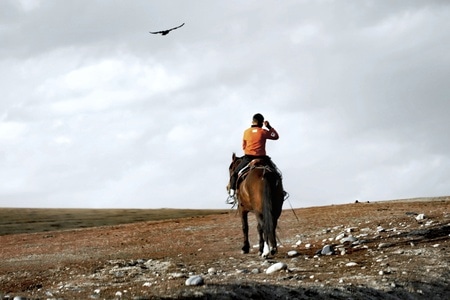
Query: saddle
[261, 163]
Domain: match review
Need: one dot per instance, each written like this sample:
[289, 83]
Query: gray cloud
[96, 112]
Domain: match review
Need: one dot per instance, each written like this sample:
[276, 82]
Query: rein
[286, 197]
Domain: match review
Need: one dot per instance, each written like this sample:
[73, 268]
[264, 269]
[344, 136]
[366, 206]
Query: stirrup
[231, 200]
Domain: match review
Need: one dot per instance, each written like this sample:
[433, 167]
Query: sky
[96, 112]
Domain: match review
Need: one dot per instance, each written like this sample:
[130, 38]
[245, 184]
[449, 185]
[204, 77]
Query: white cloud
[12, 130]
[29, 5]
[96, 112]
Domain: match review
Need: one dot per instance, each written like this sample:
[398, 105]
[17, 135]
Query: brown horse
[260, 192]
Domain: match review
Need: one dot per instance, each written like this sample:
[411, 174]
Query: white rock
[351, 264]
[212, 271]
[349, 239]
[307, 246]
[276, 267]
[119, 294]
[177, 275]
[420, 217]
[340, 236]
[383, 245]
[194, 280]
[292, 253]
[298, 243]
[350, 229]
[327, 250]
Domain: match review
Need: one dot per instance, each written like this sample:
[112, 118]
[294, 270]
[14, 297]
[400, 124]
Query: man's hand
[267, 124]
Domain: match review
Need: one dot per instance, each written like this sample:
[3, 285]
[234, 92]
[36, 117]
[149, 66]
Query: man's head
[258, 119]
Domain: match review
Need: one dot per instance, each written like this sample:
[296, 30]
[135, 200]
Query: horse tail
[271, 211]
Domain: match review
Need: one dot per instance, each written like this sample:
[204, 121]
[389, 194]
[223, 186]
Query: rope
[287, 198]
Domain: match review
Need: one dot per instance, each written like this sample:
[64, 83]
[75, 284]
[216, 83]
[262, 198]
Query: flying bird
[165, 32]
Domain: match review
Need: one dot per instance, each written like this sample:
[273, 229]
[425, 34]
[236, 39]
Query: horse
[260, 192]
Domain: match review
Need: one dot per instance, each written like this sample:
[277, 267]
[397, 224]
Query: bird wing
[164, 32]
[176, 27]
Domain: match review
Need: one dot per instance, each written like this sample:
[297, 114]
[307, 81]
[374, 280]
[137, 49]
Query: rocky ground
[381, 250]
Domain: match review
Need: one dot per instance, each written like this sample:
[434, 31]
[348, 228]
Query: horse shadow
[435, 290]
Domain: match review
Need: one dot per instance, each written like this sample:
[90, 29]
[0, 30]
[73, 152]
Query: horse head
[234, 163]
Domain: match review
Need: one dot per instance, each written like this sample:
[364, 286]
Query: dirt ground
[380, 250]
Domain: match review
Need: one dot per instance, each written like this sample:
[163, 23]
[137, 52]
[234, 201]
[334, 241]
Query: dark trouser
[245, 160]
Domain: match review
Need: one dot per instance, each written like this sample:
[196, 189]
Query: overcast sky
[96, 112]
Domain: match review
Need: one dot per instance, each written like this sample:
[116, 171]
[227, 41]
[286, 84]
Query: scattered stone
[420, 217]
[177, 275]
[351, 264]
[384, 245]
[195, 280]
[212, 271]
[292, 253]
[348, 239]
[327, 250]
[307, 246]
[340, 236]
[276, 267]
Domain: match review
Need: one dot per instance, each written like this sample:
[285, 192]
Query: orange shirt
[254, 141]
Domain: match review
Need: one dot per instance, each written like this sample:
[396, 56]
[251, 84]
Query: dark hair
[259, 119]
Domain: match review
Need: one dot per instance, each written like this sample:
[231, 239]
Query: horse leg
[244, 219]
[263, 246]
[274, 248]
[261, 238]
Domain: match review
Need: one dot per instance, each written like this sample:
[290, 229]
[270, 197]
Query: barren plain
[379, 250]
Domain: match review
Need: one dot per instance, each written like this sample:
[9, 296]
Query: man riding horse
[254, 146]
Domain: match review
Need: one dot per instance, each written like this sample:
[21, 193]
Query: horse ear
[233, 157]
